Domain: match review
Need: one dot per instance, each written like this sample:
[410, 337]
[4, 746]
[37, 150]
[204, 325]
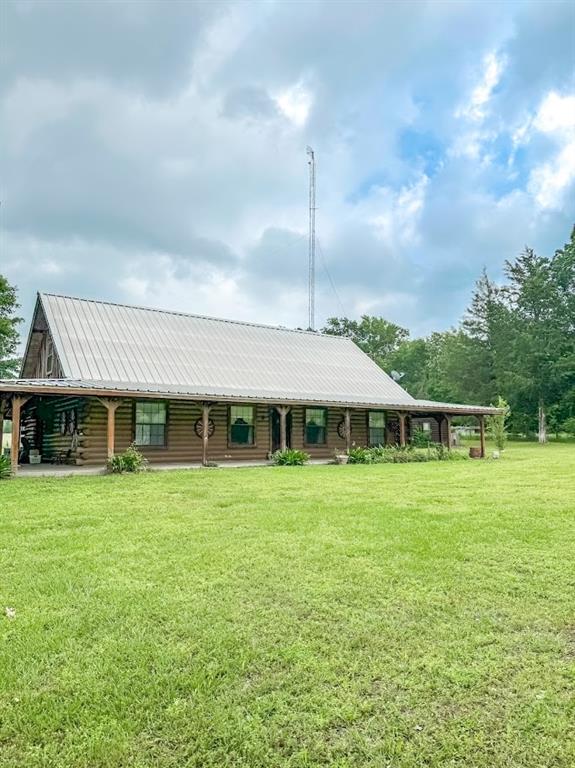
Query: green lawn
[391, 615]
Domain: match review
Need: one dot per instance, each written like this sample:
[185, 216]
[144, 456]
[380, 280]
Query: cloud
[295, 103]
[172, 171]
[476, 108]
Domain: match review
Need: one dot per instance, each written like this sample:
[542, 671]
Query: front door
[275, 429]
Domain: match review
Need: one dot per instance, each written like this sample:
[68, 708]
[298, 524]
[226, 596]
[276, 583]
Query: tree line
[516, 340]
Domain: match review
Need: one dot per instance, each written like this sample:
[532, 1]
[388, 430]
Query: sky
[154, 152]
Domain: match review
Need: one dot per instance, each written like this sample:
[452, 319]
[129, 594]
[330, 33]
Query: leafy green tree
[377, 337]
[411, 358]
[537, 375]
[488, 326]
[563, 272]
[9, 364]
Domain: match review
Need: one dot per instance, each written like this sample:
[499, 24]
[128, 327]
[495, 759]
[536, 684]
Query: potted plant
[341, 458]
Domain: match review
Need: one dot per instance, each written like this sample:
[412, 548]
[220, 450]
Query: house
[97, 376]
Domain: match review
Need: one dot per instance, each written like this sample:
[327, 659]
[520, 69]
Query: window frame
[369, 428]
[49, 356]
[146, 446]
[253, 444]
[326, 427]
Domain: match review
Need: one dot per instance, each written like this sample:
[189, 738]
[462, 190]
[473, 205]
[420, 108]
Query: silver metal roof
[119, 348]
[99, 341]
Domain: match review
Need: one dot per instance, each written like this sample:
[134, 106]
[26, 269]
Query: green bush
[394, 454]
[569, 426]
[360, 455]
[497, 425]
[5, 468]
[420, 438]
[129, 461]
[291, 457]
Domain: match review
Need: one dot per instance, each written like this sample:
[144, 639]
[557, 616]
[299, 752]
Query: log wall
[184, 445]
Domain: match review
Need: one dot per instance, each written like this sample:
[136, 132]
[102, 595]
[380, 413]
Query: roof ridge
[196, 316]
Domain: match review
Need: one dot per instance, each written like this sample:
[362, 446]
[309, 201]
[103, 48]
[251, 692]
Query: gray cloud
[155, 152]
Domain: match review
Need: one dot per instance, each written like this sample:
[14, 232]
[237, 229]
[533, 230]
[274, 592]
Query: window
[150, 423]
[426, 426]
[49, 356]
[376, 428]
[315, 426]
[242, 421]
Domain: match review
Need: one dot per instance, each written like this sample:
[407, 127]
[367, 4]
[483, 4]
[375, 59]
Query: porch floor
[69, 470]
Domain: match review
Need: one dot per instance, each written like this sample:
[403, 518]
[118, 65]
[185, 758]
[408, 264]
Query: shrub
[569, 426]
[395, 454]
[360, 455]
[420, 438]
[129, 461]
[291, 457]
[5, 468]
[497, 425]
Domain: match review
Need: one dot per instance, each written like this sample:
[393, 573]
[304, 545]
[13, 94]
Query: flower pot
[342, 458]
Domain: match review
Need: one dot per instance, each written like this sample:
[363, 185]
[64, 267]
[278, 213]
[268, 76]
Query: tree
[563, 272]
[486, 323]
[411, 358]
[9, 364]
[377, 337]
[540, 343]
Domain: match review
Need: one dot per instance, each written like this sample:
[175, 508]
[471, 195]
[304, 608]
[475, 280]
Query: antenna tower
[311, 278]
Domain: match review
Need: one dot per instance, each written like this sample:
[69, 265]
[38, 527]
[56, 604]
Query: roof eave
[62, 386]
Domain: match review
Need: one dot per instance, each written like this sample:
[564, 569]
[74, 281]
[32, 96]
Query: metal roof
[100, 341]
[123, 348]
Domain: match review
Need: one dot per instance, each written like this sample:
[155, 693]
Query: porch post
[347, 429]
[283, 411]
[1, 422]
[439, 421]
[482, 434]
[206, 408]
[402, 434]
[448, 429]
[111, 405]
[17, 402]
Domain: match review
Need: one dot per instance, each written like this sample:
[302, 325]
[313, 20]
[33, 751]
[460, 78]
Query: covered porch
[59, 428]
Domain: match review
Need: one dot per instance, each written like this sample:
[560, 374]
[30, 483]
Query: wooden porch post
[402, 433]
[482, 434]
[18, 401]
[448, 429]
[1, 422]
[347, 429]
[283, 411]
[206, 408]
[111, 405]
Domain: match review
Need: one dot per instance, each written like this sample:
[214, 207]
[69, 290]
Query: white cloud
[397, 214]
[476, 108]
[550, 182]
[556, 114]
[295, 103]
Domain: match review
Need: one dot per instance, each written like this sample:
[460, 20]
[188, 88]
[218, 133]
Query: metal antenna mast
[311, 284]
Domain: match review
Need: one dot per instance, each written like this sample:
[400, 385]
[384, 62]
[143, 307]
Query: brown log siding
[183, 445]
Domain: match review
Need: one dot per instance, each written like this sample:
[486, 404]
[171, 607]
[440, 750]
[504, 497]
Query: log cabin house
[186, 389]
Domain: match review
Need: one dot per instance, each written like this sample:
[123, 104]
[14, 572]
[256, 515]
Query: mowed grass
[392, 615]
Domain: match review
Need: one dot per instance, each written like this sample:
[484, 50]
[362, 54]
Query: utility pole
[311, 278]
